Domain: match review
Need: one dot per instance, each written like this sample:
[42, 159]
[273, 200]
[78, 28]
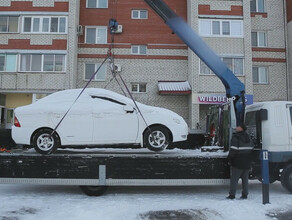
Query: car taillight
[16, 122]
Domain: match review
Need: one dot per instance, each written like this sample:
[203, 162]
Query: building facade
[51, 45]
[38, 53]
[289, 45]
[146, 50]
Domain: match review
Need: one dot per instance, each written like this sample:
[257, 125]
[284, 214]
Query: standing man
[240, 158]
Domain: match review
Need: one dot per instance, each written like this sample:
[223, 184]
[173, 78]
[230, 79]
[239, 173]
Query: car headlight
[176, 120]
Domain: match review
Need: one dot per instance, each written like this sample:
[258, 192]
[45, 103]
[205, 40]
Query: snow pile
[29, 202]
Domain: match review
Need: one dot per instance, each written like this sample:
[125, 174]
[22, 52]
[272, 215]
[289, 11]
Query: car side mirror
[128, 108]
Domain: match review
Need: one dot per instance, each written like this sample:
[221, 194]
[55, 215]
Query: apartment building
[38, 52]
[57, 44]
[250, 38]
[150, 58]
[269, 59]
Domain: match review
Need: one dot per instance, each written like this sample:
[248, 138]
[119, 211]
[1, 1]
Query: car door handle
[97, 115]
[57, 115]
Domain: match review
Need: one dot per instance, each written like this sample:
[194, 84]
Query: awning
[174, 88]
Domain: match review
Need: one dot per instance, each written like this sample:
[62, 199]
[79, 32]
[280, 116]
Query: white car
[99, 117]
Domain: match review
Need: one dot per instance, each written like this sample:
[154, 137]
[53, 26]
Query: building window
[7, 62]
[36, 97]
[138, 87]
[96, 35]
[139, 49]
[8, 24]
[257, 6]
[44, 24]
[204, 69]
[96, 3]
[53, 63]
[42, 63]
[258, 39]
[90, 69]
[260, 75]
[234, 64]
[227, 28]
[139, 14]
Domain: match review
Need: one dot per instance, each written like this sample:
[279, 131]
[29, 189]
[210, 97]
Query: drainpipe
[287, 49]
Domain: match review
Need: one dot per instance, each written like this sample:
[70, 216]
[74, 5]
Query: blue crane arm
[233, 86]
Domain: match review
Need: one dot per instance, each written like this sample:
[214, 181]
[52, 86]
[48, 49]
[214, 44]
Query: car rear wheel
[158, 139]
[44, 142]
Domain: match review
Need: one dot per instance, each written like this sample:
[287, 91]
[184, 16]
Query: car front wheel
[158, 139]
[44, 142]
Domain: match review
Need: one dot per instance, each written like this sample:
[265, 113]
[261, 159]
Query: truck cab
[270, 126]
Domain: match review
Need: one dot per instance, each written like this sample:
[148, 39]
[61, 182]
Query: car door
[113, 121]
[77, 126]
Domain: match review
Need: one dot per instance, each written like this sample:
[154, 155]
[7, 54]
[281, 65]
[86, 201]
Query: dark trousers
[235, 175]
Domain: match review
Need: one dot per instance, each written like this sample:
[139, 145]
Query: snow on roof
[171, 87]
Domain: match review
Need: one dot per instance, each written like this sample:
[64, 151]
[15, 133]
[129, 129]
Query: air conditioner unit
[118, 67]
[119, 29]
[79, 30]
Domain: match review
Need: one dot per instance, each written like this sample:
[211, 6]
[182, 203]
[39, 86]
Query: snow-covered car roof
[71, 94]
[59, 102]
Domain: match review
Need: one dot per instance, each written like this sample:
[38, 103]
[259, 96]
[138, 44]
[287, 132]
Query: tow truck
[95, 170]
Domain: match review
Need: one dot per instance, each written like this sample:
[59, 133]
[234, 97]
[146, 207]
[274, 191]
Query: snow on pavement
[25, 202]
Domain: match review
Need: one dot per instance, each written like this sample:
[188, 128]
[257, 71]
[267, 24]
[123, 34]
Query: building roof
[174, 87]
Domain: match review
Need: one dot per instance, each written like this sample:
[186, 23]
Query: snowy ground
[23, 202]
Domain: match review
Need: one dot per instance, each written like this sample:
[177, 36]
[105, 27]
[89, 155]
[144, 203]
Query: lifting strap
[131, 96]
[91, 78]
[113, 24]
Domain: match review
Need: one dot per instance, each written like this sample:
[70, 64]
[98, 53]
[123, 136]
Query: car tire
[44, 142]
[286, 178]
[94, 190]
[158, 139]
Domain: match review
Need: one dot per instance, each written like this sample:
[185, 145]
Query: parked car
[99, 117]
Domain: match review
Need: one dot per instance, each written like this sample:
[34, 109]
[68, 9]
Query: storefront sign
[206, 98]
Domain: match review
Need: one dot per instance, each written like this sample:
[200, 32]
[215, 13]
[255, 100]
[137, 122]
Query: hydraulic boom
[233, 86]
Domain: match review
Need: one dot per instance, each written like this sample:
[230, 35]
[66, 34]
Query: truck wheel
[93, 190]
[158, 140]
[44, 142]
[286, 178]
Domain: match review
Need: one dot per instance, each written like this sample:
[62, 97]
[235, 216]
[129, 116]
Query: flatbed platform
[108, 167]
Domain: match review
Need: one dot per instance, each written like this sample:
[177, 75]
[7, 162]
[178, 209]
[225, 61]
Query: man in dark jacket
[240, 158]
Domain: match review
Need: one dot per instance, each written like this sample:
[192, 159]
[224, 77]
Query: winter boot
[243, 197]
[230, 197]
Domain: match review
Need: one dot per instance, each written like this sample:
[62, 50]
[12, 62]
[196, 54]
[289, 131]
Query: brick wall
[274, 55]
[289, 10]
[149, 72]
[166, 57]
[42, 43]
[140, 31]
[289, 43]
